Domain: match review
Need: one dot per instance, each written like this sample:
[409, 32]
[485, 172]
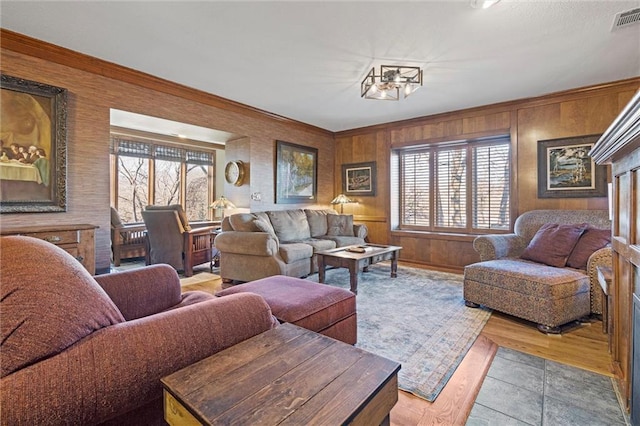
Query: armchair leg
[471, 304]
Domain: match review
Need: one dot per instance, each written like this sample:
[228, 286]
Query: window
[453, 187]
[147, 173]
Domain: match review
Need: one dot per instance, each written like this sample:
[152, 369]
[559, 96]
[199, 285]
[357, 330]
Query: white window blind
[461, 186]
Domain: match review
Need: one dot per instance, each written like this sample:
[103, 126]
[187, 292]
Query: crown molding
[26, 45]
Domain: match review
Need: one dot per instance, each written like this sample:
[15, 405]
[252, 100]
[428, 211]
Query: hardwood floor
[584, 347]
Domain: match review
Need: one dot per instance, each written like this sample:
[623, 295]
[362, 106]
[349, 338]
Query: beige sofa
[281, 242]
[547, 295]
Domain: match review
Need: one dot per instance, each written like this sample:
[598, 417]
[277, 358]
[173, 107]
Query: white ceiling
[305, 60]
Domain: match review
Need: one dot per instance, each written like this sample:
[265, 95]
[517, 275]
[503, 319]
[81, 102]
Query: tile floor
[522, 389]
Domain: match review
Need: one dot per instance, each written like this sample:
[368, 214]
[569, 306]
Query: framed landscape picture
[566, 170]
[33, 157]
[296, 173]
[359, 178]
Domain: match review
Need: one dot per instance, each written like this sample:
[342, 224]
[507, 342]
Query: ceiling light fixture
[483, 4]
[391, 80]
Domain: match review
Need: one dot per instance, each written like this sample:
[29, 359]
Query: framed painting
[566, 170]
[33, 157]
[296, 173]
[359, 178]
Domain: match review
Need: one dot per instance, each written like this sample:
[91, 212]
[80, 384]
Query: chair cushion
[178, 209]
[593, 239]
[115, 218]
[309, 305]
[530, 278]
[47, 305]
[553, 243]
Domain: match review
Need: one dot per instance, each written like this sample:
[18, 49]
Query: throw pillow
[553, 243]
[593, 239]
[265, 226]
[243, 222]
[47, 306]
[340, 225]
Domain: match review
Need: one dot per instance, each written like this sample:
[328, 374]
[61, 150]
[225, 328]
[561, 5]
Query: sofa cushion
[47, 306]
[291, 252]
[342, 241]
[591, 240]
[243, 222]
[317, 221]
[340, 224]
[553, 243]
[319, 244]
[521, 276]
[290, 225]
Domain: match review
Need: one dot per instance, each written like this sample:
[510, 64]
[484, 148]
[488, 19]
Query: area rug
[417, 319]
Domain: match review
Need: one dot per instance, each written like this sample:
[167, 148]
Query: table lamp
[222, 204]
[342, 200]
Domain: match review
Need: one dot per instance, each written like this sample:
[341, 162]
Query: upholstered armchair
[171, 240]
[83, 350]
[127, 241]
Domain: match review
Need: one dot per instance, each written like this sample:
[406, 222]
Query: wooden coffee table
[285, 376]
[342, 258]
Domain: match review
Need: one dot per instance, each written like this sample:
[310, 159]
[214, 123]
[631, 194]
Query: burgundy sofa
[82, 350]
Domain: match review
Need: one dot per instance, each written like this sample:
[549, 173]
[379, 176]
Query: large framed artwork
[359, 178]
[296, 173]
[33, 157]
[566, 170]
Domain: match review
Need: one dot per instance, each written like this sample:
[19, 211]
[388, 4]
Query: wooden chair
[127, 241]
[171, 240]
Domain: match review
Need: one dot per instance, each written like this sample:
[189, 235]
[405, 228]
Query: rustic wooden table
[285, 376]
[355, 262]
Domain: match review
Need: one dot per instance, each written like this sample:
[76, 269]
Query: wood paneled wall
[95, 86]
[578, 112]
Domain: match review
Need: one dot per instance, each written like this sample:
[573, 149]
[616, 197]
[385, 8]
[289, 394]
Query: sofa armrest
[144, 291]
[360, 230]
[497, 246]
[249, 243]
[118, 369]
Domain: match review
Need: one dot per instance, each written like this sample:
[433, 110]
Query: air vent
[625, 19]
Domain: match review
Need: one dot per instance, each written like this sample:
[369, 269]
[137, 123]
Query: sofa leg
[548, 330]
[471, 304]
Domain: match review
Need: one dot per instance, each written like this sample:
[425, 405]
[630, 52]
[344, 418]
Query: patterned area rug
[417, 319]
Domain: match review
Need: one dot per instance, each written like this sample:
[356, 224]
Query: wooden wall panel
[572, 113]
[90, 97]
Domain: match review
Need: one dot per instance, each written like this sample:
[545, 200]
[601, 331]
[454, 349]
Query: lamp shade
[341, 199]
[222, 203]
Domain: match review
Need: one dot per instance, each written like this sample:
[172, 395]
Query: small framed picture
[359, 179]
[566, 170]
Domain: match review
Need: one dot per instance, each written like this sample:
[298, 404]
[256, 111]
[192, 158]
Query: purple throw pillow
[553, 244]
[593, 239]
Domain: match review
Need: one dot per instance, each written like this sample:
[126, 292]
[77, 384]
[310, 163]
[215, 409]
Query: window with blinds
[154, 173]
[461, 187]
